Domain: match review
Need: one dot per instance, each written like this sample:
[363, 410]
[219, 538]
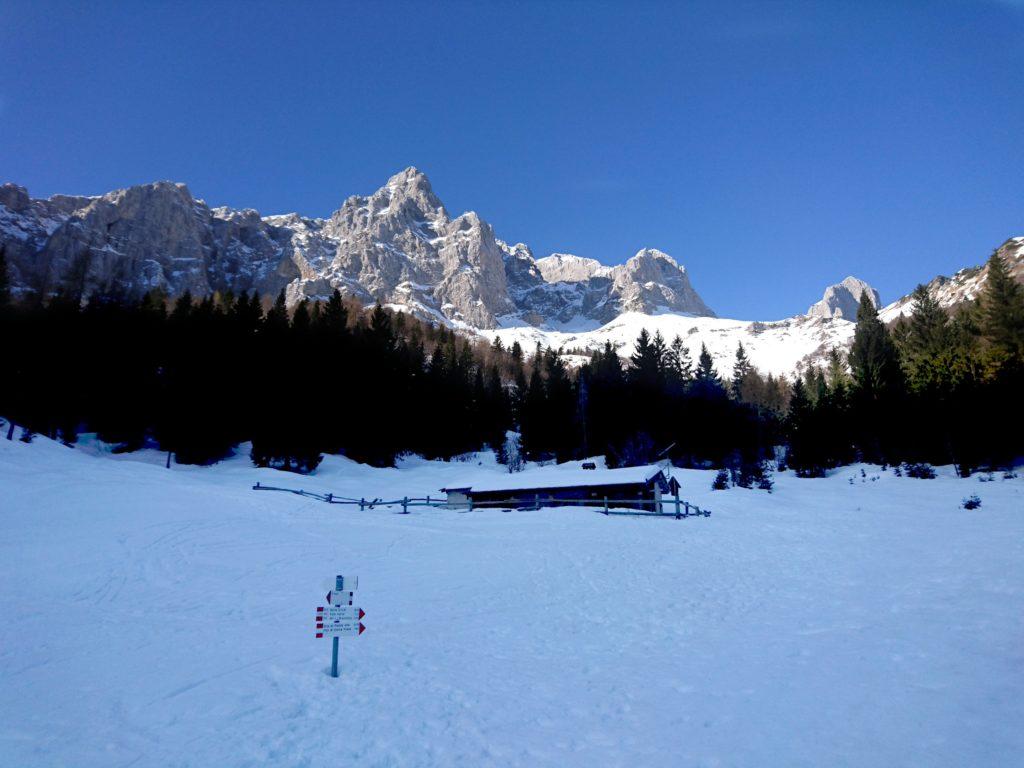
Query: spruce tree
[678, 363]
[873, 358]
[741, 370]
[646, 362]
[1002, 312]
[705, 373]
[877, 385]
[276, 321]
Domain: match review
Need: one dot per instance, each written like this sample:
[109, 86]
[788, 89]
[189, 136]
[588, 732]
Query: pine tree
[873, 356]
[334, 318]
[1002, 312]
[678, 365]
[301, 321]
[924, 342]
[741, 371]
[705, 373]
[878, 385]
[647, 361]
[276, 321]
[804, 456]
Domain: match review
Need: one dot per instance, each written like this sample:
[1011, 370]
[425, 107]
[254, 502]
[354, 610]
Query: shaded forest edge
[198, 377]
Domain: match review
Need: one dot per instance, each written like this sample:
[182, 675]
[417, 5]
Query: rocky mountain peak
[14, 198]
[397, 245]
[651, 256]
[842, 299]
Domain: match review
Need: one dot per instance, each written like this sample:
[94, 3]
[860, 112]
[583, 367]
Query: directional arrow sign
[339, 598]
[341, 629]
[339, 613]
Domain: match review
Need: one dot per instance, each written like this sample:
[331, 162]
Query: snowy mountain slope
[779, 347]
[965, 285]
[154, 617]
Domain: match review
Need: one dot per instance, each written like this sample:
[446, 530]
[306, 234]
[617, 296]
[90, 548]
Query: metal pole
[334, 657]
[606, 505]
[677, 502]
[405, 505]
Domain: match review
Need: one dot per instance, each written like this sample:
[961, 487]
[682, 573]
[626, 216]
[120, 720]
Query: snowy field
[154, 617]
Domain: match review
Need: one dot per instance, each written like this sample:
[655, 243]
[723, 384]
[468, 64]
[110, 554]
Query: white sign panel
[339, 598]
[341, 629]
[339, 613]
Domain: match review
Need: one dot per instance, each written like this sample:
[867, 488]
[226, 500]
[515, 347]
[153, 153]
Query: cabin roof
[561, 477]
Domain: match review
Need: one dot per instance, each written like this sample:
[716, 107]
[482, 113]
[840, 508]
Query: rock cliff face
[398, 246]
[842, 299]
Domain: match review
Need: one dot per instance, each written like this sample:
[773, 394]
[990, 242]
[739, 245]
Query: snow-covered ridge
[399, 246]
[780, 347]
[965, 285]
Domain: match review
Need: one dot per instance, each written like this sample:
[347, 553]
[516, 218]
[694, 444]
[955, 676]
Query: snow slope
[154, 617]
[778, 347]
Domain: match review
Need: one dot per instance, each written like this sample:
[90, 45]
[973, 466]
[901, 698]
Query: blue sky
[771, 147]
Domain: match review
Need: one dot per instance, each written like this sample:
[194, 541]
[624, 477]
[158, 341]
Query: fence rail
[678, 508]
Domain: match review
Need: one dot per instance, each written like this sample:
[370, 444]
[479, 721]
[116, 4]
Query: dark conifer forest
[198, 376]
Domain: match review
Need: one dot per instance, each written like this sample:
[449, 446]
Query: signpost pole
[334, 657]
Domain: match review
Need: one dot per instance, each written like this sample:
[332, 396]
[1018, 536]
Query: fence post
[405, 505]
[536, 501]
[428, 499]
[686, 507]
[606, 505]
[361, 503]
[470, 504]
[330, 497]
[677, 503]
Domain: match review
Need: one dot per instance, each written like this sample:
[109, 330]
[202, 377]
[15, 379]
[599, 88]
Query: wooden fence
[677, 507]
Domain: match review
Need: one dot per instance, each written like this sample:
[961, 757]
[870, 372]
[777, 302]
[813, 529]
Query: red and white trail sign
[341, 629]
[340, 618]
[339, 613]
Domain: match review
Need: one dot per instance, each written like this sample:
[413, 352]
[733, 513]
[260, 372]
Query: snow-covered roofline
[561, 477]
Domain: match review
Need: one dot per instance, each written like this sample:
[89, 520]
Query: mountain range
[400, 247]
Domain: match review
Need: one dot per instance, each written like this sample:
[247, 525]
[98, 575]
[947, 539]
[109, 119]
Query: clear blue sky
[771, 147]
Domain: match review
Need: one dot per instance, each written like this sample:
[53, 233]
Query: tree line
[936, 387]
[196, 377]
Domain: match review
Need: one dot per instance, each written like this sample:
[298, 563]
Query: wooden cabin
[628, 487]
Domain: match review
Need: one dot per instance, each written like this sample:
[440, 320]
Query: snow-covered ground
[154, 617]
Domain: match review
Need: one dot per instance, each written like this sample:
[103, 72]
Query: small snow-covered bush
[971, 502]
[1009, 475]
[511, 452]
[920, 470]
[721, 480]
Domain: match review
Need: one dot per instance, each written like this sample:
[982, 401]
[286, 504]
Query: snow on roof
[560, 477]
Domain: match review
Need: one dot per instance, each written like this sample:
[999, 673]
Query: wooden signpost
[339, 618]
